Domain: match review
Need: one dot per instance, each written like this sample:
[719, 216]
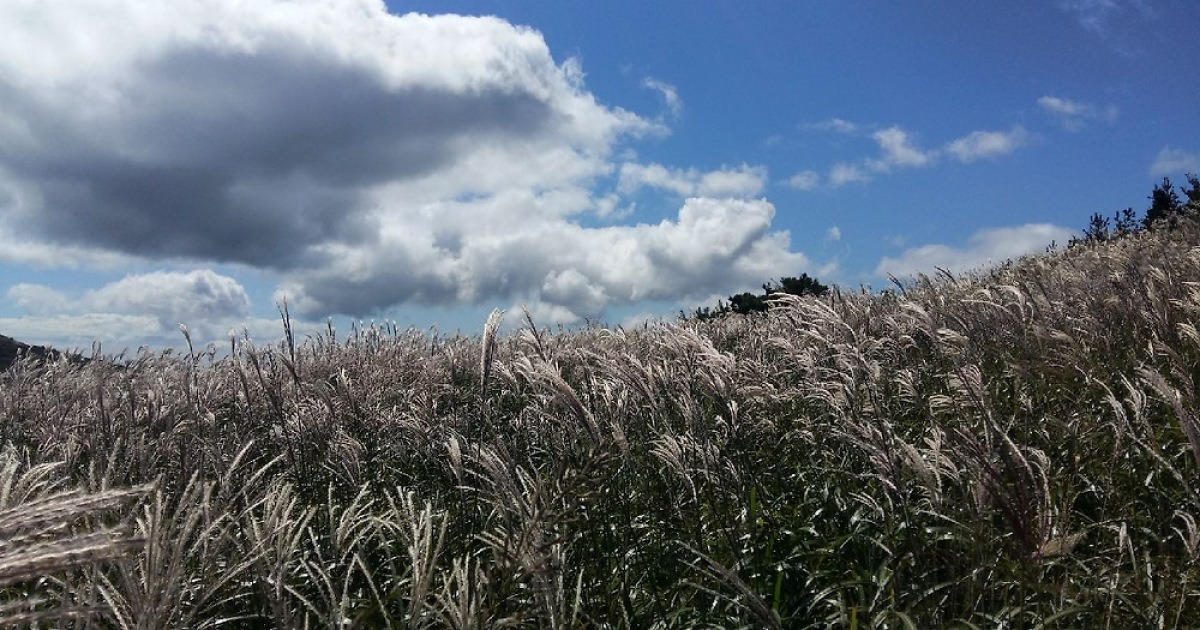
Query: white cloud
[833, 234]
[1090, 13]
[987, 144]
[983, 248]
[570, 286]
[36, 299]
[1061, 106]
[804, 180]
[437, 160]
[712, 244]
[170, 130]
[204, 300]
[545, 314]
[173, 297]
[899, 150]
[742, 181]
[669, 94]
[842, 174]
[1172, 161]
[1074, 114]
[80, 331]
[118, 331]
[1097, 15]
[633, 176]
[836, 125]
[646, 319]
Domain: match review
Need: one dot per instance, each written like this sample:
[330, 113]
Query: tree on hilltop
[748, 302]
[1166, 209]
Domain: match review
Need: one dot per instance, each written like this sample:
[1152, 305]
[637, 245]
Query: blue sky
[425, 162]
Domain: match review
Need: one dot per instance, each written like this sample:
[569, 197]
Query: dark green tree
[1126, 222]
[1097, 230]
[756, 303]
[1192, 192]
[804, 285]
[1164, 205]
[747, 303]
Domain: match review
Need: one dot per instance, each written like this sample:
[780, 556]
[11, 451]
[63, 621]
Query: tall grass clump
[1014, 447]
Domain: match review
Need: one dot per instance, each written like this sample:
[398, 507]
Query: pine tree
[1164, 205]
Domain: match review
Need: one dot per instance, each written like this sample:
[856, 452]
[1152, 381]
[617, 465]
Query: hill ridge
[11, 350]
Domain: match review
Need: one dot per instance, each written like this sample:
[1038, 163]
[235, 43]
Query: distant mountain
[11, 350]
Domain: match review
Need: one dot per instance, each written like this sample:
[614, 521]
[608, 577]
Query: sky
[202, 162]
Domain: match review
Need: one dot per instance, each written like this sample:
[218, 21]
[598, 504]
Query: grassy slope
[1015, 447]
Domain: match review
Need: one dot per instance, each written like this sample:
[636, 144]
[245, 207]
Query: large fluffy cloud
[135, 309]
[368, 159]
[174, 297]
[250, 132]
[712, 243]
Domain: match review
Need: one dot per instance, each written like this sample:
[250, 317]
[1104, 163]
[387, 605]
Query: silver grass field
[1014, 447]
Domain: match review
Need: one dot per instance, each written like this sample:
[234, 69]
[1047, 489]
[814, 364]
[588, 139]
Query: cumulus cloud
[80, 331]
[712, 243]
[1171, 161]
[251, 132]
[742, 181]
[148, 306]
[987, 144]
[833, 234]
[1075, 114]
[982, 248]
[365, 159]
[173, 297]
[119, 331]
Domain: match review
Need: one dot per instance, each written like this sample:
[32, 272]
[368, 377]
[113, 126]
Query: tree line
[1167, 209]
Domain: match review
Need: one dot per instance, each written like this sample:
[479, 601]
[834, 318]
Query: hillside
[11, 350]
[1010, 448]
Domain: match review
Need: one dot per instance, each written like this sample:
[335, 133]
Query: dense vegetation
[1015, 447]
